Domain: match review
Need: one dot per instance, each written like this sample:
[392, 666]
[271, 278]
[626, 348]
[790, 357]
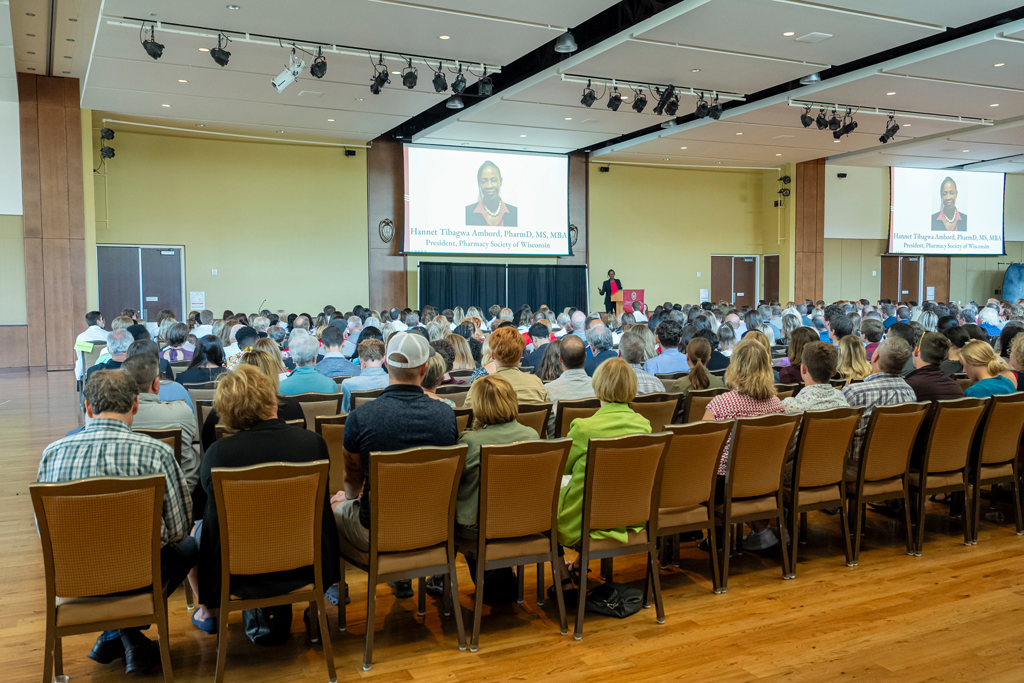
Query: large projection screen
[485, 202]
[946, 213]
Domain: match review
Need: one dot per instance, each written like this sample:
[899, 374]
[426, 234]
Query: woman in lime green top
[615, 386]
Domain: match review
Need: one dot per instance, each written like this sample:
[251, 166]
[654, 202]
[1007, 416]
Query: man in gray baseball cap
[401, 417]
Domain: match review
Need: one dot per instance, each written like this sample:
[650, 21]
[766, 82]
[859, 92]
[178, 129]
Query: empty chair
[884, 465]
[535, 416]
[696, 403]
[754, 474]
[567, 411]
[410, 536]
[522, 529]
[818, 468]
[118, 560]
[784, 391]
[994, 460]
[659, 408]
[621, 491]
[332, 429]
[463, 419]
[314, 404]
[358, 398]
[944, 463]
[688, 477]
[269, 519]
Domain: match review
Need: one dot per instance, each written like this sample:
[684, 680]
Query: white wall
[10, 136]
[857, 206]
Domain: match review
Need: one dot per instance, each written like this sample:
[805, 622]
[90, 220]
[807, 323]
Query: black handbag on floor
[268, 625]
[615, 600]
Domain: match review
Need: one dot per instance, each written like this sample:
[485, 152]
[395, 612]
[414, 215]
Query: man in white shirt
[396, 320]
[494, 311]
[355, 326]
[205, 326]
[565, 327]
[93, 333]
[638, 312]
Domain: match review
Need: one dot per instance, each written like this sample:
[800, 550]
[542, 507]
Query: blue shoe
[208, 626]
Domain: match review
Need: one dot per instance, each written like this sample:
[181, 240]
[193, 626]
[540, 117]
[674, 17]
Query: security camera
[288, 76]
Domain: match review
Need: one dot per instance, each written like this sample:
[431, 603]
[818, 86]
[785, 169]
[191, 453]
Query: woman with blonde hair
[698, 353]
[853, 361]
[987, 371]
[457, 315]
[645, 333]
[751, 394]
[436, 369]
[766, 343]
[790, 323]
[798, 339]
[387, 331]
[463, 355]
[437, 329]
[247, 404]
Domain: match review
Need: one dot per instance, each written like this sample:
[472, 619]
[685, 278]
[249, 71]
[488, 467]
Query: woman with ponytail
[986, 370]
[698, 353]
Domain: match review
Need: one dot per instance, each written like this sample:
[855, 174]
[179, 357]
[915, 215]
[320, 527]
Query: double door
[145, 278]
[734, 278]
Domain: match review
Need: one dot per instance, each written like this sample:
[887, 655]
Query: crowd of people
[850, 353]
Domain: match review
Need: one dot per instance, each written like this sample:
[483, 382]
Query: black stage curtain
[447, 285]
[556, 286]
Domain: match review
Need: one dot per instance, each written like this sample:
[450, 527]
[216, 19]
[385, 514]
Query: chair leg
[521, 580]
[540, 584]
[676, 544]
[222, 642]
[342, 595]
[582, 600]
[447, 599]
[855, 511]
[652, 567]
[421, 607]
[921, 498]
[737, 539]
[58, 657]
[556, 578]
[51, 638]
[314, 623]
[803, 527]
[787, 570]
[608, 569]
[190, 600]
[907, 521]
[165, 641]
[794, 536]
[976, 510]
[1018, 517]
[478, 605]
[967, 516]
[371, 619]
[646, 601]
[453, 582]
[844, 526]
[716, 577]
[321, 607]
[727, 530]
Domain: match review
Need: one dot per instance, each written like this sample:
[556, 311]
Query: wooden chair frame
[465, 414]
[562, 429]
[537, 408]
[338, 379]
[358, 398]
[53, 658]
[977, 477]
[456, 393]
[316, 397]
[784, 391]
[661, 397]
[672, 376]
[315, 596]
[709, 393]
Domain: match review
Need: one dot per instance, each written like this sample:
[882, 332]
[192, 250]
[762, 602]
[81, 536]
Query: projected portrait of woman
[491, 209]
[949, 218]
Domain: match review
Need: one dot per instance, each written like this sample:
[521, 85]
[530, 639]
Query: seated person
[436, 369]
[906, 332]
[304, 378]
[698, 354]
[108, 447]
[871, 331]
[615, 386]
[671, 359]
[573, 383]
[169, 390]
[957, 337]
[246, 403]
[245, 338]
[333, 362]
[599, 341]
[818, 362]
[853, 363]
[631, 350]
[117, 345]
[177, 335]
[507, 350]
[207, 362]
[987, 371]
[371, 375]
[141, 333]
[93, 333]
[798, 339]
[928, 381]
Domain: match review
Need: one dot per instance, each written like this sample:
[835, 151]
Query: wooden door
[161, 281]
[119, 276]
[910, 279]
[936, 276]
[771, 278]
[744, 281]
[721, 278]
[890, 280]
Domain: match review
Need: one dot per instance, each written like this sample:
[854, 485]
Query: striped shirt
[646, 383]
[879, 389]
[109, 448]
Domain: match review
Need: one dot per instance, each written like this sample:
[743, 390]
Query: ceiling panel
[764, 23]
[930, 11]
[975, 65]
[536, 139]
[961, 152]
[187, 128]
[1007, 134]
[876, 159]
[695, 161]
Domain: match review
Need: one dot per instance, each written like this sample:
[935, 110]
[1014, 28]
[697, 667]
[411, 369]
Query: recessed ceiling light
[165, 105]
[890, 93]
[965, 150]
[234, 7]
[522, 136]
[568, 118]
[999, 64]
[994, 105]
[666, 159]
[788, 33]
[330, 120]
[396, 73]
[204, 49]
[739, 133]
[778, 155]
[444, 37]
[682, 148]
[837, 141]
[182, 80]
[359, 99]
[625, 99]
[695, 71]
[200, 125]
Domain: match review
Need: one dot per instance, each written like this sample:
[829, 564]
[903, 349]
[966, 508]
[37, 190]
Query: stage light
[639, 101]
[455, 102]
[288, 76]
[703, 108]
[664, 97]
[716, 110]
[566, 43]
[589, 96]
[318, 69]
[219, 54]
[834, 123]
[614, 100]
[459, 84]
[380, 76]
[672, 106]
[485, 86]
[821, 122]
[806, 119]
[153, 48]
[106, 134]
[107, 152]
[891, 128]
[440, 84]
[849, 125]
[410, 76]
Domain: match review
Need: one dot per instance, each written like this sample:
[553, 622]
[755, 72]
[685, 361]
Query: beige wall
[853, 269]
[12, 272]
[285, 222]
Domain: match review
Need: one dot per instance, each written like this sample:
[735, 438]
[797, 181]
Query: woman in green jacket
[615, 386]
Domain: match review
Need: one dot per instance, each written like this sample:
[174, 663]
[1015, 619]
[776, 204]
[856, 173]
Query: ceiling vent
[310, 93]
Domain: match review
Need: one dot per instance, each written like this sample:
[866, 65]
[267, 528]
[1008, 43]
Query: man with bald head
[736, 323]
[579, 325]
[574, 382]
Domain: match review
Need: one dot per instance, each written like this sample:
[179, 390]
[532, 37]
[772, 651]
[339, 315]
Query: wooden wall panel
[810, 230]
[29, 155]
[53, 171]
[385, 188]
[61, 322]
[579, 187]
[73, 164]
[936, 274]
[13, 346]
[35, 301]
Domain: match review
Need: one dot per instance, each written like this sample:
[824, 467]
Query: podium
[624, 299]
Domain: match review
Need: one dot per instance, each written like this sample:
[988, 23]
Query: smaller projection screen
[946, 213]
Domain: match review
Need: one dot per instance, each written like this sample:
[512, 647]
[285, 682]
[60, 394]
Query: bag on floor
[268, 625]
[615, 600]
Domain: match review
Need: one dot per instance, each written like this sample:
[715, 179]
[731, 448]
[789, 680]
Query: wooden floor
[955, 614]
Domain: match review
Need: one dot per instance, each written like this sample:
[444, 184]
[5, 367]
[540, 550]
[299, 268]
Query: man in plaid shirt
[631, 350]
[884, 387]
[107, 447]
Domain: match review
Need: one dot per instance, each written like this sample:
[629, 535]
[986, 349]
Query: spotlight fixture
[107, 152]
[891, 128]
[664, 97]
[440, 84]
[672, 106]
[106, 134]
[639, 101]
[485, 86]
[806, 119]
[318, 69]
[716, 109]
[849, 125]
[821, 122]
[614, 100]
[566, 43]
[380, 76]
[291, 72]
[703, 108]
[834, 123]
[410, 76]
[153, 48]
[589, 96]
[785, 192]
[219, 54]
[459, 84]
[455, 102]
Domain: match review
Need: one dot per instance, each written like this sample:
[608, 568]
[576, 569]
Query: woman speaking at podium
[610, 286]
